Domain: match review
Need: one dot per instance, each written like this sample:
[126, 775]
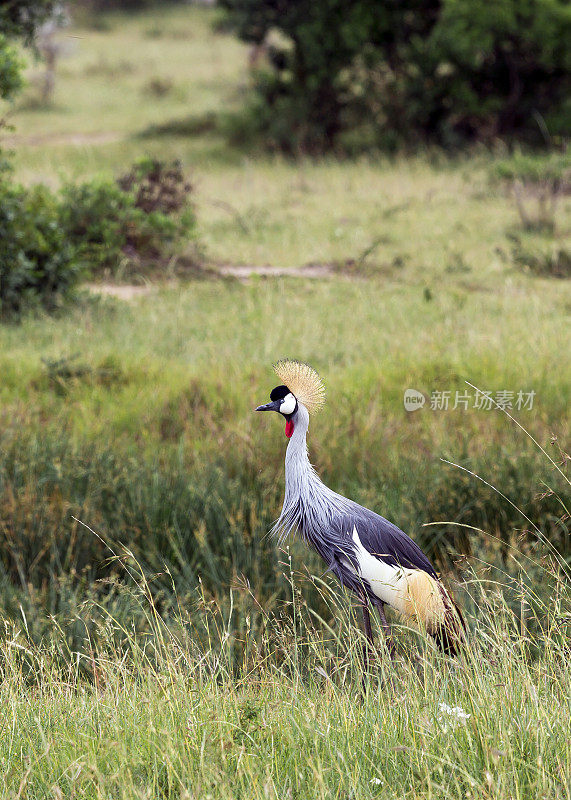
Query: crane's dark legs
[369, 634]
[370, 643]
[386, 628]
[367, 621]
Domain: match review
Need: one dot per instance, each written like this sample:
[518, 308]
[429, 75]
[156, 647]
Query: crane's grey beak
[273, 406]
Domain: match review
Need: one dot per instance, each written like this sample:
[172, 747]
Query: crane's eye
[288, 404]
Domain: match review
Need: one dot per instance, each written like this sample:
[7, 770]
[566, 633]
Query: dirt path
[243, 273]
[127, 291]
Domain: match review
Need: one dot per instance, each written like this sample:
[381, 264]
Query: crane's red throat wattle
[289, 428]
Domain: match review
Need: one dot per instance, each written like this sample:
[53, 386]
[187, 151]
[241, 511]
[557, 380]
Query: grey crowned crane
[367, 553]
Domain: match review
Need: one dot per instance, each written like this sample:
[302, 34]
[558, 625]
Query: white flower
[376, 781]
[450, 717]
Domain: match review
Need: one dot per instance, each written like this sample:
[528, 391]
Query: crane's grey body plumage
[326, 521]
[366, 552]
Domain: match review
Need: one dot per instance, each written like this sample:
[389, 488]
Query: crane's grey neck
[309, 505]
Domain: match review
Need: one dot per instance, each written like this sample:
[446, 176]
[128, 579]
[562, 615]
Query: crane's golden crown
[302, 381]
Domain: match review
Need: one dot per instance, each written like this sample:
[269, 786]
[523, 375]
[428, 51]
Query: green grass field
[201, 662]
[162, 720]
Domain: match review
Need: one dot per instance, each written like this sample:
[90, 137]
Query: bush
[547, 259]
[536, 169]
[48, 241]
[536, 182]
[10, 69]
[37, 260]
[408, 72]
[157, 186]
[141, 218]
[303, 93]
[508, 66]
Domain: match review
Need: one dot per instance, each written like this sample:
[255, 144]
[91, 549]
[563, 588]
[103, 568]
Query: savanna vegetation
[156, 642]
[348, 74]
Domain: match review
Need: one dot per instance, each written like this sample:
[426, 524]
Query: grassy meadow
[162, 719]
[156, 643]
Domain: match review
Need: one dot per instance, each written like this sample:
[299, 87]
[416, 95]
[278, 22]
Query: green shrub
[536, 168]
[10, 68]
[141, 218]
[48, 241]
[37, 260]
[408, 72]
[94, 215]
[536, 181]
[545, 258]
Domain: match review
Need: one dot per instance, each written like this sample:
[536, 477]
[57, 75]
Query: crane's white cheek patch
[288, 404]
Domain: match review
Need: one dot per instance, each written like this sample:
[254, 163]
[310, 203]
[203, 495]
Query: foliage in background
[299, 101]
[21, 19]
[49, 241]
[38, 264]
[139, 221]
[361, 74]
[18, 22]
[10, 69]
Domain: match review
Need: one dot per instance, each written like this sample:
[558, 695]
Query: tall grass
[172, 715]
[148, 437]
[130, 669]
[202, 522]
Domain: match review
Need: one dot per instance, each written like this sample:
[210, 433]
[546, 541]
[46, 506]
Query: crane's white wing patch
[387, 582]
[412, 592]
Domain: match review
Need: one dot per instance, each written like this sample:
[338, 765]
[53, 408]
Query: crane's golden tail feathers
[451, 635]
[431, 607]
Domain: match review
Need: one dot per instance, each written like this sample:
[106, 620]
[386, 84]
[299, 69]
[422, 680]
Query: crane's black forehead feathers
[279, 393]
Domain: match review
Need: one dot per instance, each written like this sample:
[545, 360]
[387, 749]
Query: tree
[421, 69]
[510, 63]
[19, 20]
[320, 39]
